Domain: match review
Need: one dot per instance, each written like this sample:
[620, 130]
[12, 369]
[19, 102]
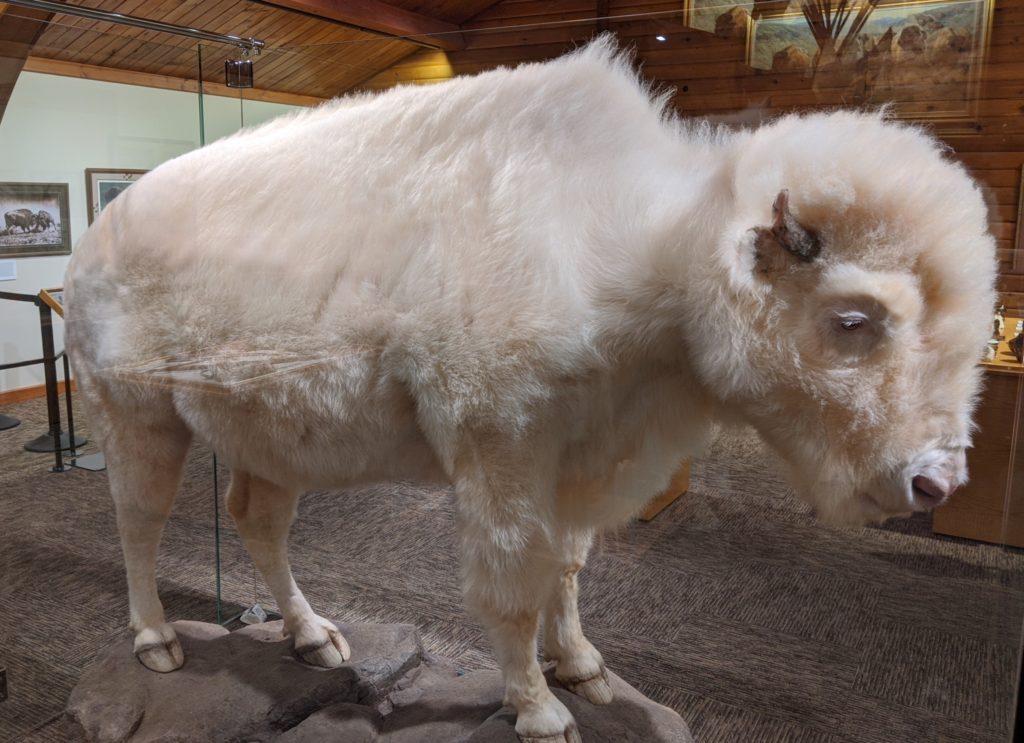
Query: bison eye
[850, 322]
[852, 326]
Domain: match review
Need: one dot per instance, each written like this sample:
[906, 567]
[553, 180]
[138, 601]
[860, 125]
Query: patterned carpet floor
[732, 607]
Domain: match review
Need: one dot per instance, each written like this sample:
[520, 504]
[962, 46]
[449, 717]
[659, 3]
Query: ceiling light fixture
[238, 72]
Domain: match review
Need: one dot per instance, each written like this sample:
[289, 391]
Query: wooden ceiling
[316, 49]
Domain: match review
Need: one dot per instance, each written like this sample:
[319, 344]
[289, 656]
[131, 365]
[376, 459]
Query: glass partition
[725, 600]
[86, 109]
[733, 606]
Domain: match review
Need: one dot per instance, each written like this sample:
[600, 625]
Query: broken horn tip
[781, 203]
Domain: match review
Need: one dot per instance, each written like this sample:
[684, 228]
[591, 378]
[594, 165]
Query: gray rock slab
[468, 709]
[249, 686]
[246, 685]
[351, 723]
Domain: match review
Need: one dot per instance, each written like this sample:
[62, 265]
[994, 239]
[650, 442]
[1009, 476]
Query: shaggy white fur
[539, 286]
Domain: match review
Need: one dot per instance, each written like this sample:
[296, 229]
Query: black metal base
[7, 421]
[44, 443]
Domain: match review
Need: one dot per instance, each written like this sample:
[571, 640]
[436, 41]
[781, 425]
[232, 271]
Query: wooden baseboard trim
[31, 393]
[679, 485]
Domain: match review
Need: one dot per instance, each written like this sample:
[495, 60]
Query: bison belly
[312, 430]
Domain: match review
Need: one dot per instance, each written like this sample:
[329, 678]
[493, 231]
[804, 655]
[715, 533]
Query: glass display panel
[726, 599]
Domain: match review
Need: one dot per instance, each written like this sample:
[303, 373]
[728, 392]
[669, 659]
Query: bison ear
[786, 241]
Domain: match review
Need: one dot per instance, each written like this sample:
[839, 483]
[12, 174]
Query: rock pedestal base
[249, 686]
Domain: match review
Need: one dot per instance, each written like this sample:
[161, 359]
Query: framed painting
[103, 185]
[1018, 242]
[35, 220]
[924, 57]
[705, 14]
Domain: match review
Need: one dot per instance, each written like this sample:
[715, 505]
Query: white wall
[56, 127]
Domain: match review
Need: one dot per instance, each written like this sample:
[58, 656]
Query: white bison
[539, 286]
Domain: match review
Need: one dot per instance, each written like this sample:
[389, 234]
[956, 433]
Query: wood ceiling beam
[373, 15]
[20, 29]
[164, 82]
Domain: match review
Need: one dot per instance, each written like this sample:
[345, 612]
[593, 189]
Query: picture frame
[36, 220]
[940, 82]
[54, 299]
[103, 185]
[703, 14]
[1018, 240]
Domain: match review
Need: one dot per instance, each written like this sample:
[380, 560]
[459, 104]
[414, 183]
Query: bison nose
[929, 492]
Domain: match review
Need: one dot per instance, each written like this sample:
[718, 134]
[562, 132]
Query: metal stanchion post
[72, 453]
[54, 437]
[53, 440]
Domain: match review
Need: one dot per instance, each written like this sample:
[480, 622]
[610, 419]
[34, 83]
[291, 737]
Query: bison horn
[789, 233]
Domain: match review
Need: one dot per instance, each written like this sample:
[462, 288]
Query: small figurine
[999, 322]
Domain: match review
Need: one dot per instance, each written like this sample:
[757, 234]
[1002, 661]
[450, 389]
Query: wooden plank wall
[711, 78]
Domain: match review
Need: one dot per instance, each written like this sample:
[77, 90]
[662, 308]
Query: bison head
[860, 274]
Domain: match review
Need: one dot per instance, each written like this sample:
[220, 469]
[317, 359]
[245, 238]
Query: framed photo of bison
[103, 185]
[35, 218]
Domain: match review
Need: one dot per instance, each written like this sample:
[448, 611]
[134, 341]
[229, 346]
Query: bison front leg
[579, 665]
[264, 513]
[509, 570]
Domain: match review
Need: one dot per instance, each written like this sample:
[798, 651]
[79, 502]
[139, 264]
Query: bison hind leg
[264, 513]
[145, 463]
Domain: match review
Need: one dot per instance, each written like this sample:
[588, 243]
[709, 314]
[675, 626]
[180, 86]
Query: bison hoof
[571, 735]
[159, 650]
[329, 651]
[550, 722]
[595, 690]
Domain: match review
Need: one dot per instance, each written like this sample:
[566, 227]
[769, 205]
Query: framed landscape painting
[35, 220]
[704, 14]
[924, 57]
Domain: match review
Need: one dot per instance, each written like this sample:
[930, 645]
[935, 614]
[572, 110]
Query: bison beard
[549, 311]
